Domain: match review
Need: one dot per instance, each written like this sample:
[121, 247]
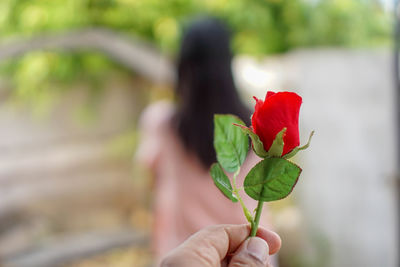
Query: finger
[254, 252]
[228, 237]
[210, 246]
[272, 238]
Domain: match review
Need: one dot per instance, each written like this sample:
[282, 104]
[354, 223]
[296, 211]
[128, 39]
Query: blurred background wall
[75, 75]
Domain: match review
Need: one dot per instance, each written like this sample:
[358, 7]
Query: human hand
[225, 245]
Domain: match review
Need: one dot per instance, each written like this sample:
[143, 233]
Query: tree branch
[136, 55]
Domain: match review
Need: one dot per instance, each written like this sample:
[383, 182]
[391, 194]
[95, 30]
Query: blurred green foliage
[39, 78]
[259, 27]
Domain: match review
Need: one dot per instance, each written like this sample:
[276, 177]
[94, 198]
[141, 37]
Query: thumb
[253, 253]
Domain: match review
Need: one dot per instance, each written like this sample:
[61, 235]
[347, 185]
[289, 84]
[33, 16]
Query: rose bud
[278, 110]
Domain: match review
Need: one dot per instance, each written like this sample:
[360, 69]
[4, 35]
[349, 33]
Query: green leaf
[230, 143]
[258, 146]
[297, 149]
[276, 148]
[271, 179]
[222, 181]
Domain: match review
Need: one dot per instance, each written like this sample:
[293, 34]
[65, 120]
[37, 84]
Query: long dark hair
[205, 86]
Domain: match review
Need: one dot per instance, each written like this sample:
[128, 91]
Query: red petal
[279, 110]
[259, 103]
[269, 93]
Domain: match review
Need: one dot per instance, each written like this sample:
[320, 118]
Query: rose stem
[254, 227]
[236, 192]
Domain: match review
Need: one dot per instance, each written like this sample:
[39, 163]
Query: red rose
[279, 110]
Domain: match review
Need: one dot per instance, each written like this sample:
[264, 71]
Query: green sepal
[297, 149]
[276, 148]
[277, 145]
[230, 143]
[258, 146]
[222, 182]
[271, 179]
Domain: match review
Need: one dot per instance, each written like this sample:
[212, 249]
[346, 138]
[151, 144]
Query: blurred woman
[177, 139]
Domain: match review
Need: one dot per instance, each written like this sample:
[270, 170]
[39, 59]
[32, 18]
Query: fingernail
[258, 248]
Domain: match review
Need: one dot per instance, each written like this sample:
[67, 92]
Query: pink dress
[186, 199]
